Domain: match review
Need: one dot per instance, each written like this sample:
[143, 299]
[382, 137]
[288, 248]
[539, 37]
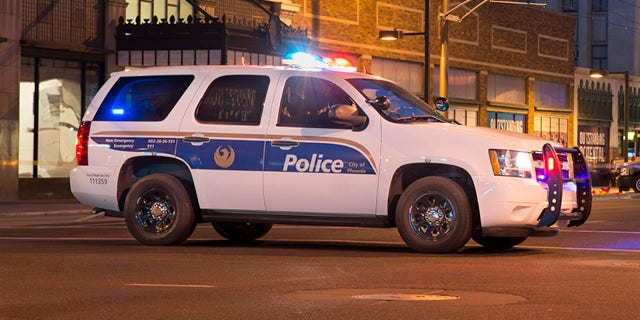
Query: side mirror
[346, 114]
[441, 104]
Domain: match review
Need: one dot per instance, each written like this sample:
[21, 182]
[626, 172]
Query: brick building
[510, 66]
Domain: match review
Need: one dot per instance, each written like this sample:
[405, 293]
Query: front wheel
[158, 210]
[241, 231]
[434, 216]
[497, 243]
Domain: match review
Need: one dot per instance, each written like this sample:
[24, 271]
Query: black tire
[636, 183]
[497, 243]
[434, 216]
[158, 211]
[241, 231]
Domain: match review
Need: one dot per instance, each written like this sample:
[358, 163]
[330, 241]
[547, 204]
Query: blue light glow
[306, 60]
[117, 111]
[302, 59]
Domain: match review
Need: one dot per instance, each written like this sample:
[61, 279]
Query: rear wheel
[241, 231]
[434, 216]
[498, 243]
[158, 211]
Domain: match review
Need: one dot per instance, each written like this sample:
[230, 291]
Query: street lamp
[396, 34]
[399, 34]
[625, 107]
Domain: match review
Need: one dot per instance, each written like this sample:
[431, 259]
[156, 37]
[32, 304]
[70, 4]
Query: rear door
[223, 138]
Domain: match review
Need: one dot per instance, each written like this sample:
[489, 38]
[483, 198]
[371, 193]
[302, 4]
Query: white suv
[244, 148]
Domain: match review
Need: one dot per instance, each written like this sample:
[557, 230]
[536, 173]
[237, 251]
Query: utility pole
[446, 16]
[444, 49]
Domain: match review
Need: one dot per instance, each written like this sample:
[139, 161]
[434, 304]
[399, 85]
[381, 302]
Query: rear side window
[234, 99]
[147, 98]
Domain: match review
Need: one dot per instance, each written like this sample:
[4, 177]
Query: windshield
[403, 106]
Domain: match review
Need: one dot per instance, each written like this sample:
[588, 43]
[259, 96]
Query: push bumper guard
[555, 181]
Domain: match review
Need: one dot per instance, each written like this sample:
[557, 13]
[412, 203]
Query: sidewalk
[43, 207]
[72, 206]
[607, 193]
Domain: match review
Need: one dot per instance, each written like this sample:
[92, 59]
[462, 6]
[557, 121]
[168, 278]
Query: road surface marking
[168, 285]
[332, 241]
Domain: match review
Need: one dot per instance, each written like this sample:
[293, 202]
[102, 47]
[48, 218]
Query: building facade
[510, 67]
[607, 37]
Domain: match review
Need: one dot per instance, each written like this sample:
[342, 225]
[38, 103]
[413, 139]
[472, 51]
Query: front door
[312, 165]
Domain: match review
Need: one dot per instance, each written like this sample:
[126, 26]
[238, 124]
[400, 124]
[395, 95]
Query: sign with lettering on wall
[594, 143]
[506, 121]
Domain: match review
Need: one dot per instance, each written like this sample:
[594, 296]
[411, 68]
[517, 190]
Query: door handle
[195, 139]
[284, 143]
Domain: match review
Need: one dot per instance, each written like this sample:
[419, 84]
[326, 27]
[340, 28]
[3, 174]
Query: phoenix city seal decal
[224, 156]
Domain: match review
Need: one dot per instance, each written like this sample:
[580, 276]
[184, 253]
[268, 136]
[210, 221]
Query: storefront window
[462, 83]
[467, 117]
[632, 144]
[505, 89]
[408, 75]
[552, 128]
[551, 94]
[51, 106]
[27, 92]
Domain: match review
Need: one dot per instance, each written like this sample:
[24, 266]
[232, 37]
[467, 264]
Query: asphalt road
[88, 267]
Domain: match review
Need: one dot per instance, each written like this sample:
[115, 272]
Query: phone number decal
[162, 145]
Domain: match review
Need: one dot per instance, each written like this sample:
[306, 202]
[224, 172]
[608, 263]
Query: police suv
[244, 148]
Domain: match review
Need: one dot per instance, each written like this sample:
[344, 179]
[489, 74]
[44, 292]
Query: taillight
[551, 164]
[82, 143]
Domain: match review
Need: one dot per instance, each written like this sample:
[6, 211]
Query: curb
[45, 213]
[616, 196]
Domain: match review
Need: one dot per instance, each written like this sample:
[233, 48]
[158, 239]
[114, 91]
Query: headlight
[510, 163]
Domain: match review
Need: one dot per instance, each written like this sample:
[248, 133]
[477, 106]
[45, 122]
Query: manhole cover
[345, 296]
[406, 297]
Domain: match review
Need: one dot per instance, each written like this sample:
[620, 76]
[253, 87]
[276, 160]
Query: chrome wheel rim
[155, 212]
[432, 216]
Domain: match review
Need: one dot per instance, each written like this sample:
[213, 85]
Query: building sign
[514, 122]
[594, 143]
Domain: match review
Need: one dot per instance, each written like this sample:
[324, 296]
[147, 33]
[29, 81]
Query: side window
[306, 102]
[146, 98]
[234, 99]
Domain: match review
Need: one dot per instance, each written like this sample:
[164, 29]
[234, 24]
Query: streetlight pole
[446, 16]
[625, 116]
[427, 49]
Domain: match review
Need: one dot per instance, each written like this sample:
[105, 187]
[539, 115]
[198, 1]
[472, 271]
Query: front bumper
[555, 183]
[516, 207]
